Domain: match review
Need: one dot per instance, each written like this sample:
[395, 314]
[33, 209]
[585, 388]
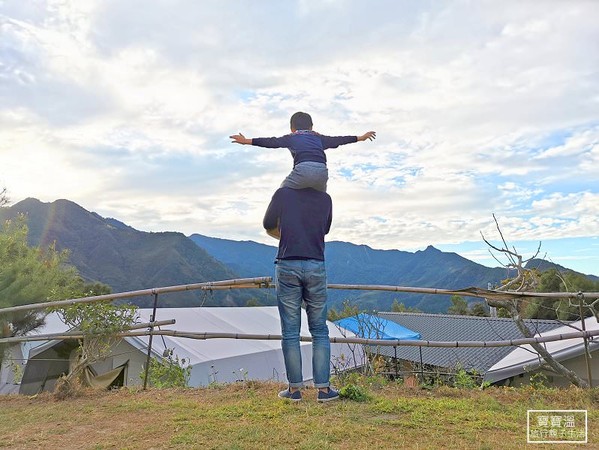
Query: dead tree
[525, 280]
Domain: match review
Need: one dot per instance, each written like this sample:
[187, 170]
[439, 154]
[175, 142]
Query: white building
[522, 362]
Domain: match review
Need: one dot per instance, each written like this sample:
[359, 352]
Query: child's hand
[240, 139]
[371, 136]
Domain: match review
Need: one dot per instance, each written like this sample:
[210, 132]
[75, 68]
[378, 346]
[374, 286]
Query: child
[307, 148]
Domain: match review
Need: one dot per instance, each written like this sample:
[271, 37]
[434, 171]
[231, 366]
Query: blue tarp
[374, 327]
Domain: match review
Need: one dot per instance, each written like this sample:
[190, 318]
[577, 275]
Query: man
[300, 218]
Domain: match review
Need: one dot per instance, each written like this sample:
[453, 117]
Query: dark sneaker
[293, 396]
[327, 396]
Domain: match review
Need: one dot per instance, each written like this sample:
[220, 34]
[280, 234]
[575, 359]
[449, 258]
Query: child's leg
[308, 175]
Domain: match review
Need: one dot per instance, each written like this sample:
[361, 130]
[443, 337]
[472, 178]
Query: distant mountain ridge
[126, 259]
[247, 258]
[349, 263]
[543, 265]
[110, 251]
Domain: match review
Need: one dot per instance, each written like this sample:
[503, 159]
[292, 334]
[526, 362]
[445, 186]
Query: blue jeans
[308, 174]
[297, 281]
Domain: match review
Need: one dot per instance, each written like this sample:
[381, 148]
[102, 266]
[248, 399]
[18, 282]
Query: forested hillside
[125, 259]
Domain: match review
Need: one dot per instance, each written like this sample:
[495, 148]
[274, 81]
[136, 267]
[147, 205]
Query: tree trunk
[539, 348]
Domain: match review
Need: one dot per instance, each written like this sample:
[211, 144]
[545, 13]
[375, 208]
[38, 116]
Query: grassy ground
[250, 416]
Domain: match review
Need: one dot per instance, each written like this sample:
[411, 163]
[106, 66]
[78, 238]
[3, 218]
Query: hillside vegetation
[248, 415]
[123, 258]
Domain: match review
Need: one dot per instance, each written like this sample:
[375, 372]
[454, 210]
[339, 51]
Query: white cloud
[480, 108]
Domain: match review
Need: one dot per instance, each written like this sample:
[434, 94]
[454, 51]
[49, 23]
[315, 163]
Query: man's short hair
[301, 121]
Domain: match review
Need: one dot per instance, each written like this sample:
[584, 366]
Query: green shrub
[538, 380]
[168, 372]
[465, 380]
[354, 392]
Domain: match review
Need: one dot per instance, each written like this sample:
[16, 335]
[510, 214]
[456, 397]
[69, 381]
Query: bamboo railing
[238, 283]
[266, 282]
[334, 340]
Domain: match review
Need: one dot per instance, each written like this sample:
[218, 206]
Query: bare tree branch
[526, 279]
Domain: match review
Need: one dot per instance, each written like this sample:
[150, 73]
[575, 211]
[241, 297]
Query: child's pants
[308, 174]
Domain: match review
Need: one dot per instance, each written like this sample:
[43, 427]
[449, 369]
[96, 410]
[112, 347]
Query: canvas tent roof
[375, 327]
[52, 324]
[525, 358]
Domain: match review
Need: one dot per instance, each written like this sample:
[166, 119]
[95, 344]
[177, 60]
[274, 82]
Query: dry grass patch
[250, 416]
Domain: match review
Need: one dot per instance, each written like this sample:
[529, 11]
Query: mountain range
[125, 259]
[349, 263]
[111, 252]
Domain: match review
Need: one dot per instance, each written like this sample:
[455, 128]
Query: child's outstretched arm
[336, 141]
[370, 135]
[240, 139]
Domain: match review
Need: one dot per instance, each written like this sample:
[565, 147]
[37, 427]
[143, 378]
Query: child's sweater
[305, 145]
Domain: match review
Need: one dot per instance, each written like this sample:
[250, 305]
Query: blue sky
[480, 108]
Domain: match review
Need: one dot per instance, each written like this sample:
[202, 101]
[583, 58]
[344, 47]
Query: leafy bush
[354, 392]
[538, 381]
[465, 380]
[168, 372]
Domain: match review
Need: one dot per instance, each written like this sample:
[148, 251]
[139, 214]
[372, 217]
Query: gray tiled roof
[445, 327]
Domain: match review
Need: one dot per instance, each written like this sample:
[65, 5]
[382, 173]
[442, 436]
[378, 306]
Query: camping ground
[248, 415]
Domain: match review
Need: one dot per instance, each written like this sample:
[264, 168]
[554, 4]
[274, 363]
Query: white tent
[211, 360]
[16, 356]
[228, 360]
[569, 352]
